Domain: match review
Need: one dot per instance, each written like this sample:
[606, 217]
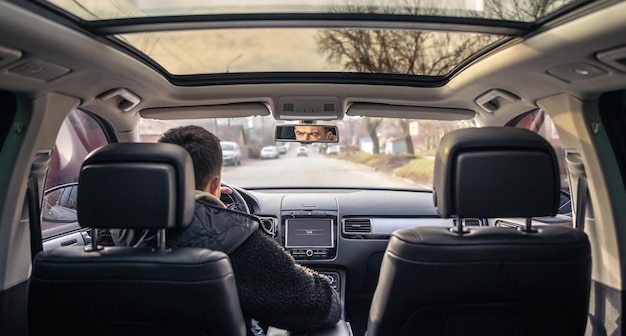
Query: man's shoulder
[208, 199]
[217, 228]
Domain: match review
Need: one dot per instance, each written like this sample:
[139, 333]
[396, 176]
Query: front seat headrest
[495, 172]
[136, 185]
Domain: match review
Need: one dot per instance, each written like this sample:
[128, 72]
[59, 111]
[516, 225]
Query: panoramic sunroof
[405, 37]
[510, 10]
[409, 52]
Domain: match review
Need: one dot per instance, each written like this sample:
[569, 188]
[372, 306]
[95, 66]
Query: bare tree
[522, 10]
[412, 52]
[372, 124]
[408, 139]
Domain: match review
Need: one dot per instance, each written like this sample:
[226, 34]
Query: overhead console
[308, 108]
[308, 227]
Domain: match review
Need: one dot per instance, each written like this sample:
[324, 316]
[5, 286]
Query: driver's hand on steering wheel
[233, 199]
[226, 198]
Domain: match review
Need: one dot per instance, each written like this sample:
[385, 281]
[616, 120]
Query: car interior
[472, 180]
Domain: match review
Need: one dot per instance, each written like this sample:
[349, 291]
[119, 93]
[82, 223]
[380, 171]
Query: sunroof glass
[213, 51]
[511, 10]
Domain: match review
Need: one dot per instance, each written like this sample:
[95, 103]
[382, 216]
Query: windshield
[228, 147]
[371, 153]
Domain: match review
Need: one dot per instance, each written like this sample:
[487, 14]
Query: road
[315, 169]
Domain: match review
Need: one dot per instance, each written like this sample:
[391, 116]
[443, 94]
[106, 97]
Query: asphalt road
[315, 169]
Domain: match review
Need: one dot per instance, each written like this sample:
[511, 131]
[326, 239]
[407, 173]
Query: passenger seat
[487, 280]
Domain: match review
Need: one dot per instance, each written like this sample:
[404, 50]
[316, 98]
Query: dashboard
[328, 225]
[340, 231]
[343, 232]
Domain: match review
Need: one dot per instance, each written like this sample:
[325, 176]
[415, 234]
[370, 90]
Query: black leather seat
[492, 280]
[134, 291]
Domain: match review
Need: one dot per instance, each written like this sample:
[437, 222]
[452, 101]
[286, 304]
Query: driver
[273, 289]
[312, 133]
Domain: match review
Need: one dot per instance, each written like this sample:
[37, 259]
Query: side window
[79, 134]
[540, 122]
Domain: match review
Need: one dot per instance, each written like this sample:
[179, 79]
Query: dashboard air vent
[269, 225]
[357, 225]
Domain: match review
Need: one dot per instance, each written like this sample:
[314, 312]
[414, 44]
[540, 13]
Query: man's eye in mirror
[304, 134]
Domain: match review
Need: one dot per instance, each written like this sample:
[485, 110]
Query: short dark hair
[203, 147]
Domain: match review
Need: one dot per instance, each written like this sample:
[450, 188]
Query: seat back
[134, 291]
[487, 280]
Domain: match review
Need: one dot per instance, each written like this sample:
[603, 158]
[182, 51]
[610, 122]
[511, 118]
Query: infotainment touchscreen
[309, 232]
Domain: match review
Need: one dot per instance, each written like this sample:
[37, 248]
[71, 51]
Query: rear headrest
[136, 185]
[495, 172]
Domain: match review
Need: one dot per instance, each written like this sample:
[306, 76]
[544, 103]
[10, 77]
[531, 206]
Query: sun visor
[236, 110]
[408, 112]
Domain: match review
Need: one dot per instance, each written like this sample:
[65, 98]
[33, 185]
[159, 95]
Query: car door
[80, 133]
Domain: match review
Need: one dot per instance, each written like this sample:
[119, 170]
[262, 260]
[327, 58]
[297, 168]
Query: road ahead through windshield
[314, 170]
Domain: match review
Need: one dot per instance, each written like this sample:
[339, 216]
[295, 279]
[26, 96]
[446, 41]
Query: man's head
[205, 151]
[312, 133]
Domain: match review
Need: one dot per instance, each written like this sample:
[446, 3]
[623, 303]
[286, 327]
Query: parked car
[269, 152]
[231, 153]
[282, 149]
[302, 151]
[333, 150]
[395, 78]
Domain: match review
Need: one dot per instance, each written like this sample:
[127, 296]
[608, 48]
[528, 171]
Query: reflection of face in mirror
[312, 133]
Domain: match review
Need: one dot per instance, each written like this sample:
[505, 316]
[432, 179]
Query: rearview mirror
[307, 133]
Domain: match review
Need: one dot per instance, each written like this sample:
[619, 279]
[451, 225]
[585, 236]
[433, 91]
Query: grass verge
[414, 168]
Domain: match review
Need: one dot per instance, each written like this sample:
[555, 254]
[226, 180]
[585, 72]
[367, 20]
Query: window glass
[228, 147]
[370, 153]
[540, 122]
[79, 134]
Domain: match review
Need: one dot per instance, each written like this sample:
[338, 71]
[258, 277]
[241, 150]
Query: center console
[308, 230]
[310, 234]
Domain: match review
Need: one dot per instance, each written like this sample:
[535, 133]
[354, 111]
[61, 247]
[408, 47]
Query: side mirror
[59, 204]
[307, 133]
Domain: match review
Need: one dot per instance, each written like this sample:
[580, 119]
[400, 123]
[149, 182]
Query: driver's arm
[278, 292]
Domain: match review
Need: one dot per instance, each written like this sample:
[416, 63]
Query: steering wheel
[234, 201]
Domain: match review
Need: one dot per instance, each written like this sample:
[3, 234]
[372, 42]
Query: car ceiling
[521, 67]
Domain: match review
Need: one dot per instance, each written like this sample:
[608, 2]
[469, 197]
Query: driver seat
[116, 290]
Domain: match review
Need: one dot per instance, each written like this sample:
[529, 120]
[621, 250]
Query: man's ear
[214, 186]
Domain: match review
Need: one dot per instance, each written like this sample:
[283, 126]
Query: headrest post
[94, 241]
[161, 240]
[529, 225]
[460, 226]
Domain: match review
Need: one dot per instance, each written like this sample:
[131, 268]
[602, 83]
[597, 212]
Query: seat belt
[34, 216]
[582, 194]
